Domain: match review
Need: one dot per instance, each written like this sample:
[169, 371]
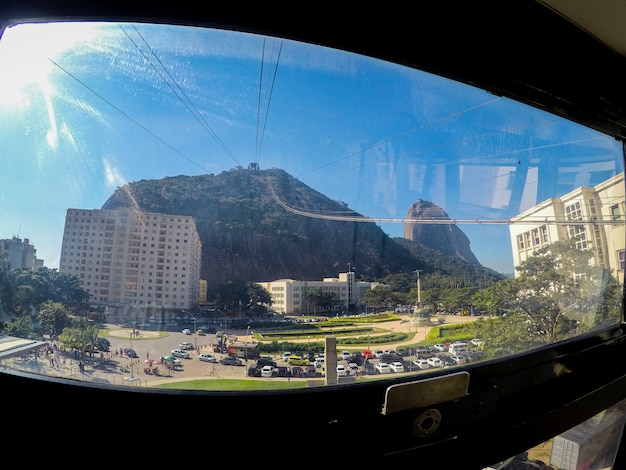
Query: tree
[53, 317]
[234, 294]
[556, 293]
[325, 300]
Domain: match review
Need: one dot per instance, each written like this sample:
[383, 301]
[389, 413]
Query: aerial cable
[187, 101]
[134, 121]
[262, 119]
[538, 220]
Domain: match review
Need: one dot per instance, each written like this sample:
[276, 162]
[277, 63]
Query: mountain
[447, 238]
[249, 233]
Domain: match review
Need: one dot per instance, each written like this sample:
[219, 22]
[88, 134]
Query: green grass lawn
[229, 385]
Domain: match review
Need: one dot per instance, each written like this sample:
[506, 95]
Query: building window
[615, 214]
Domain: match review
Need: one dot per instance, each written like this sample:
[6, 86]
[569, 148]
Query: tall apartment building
[288, 295]
[135, 264]
[597, 221]
[20, 253]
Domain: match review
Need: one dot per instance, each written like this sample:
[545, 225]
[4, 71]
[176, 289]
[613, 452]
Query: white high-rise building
[133, 263]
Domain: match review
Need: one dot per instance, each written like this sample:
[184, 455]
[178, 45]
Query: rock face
[447, 238]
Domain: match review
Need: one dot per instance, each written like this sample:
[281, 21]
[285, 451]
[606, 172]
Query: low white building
[288, 295]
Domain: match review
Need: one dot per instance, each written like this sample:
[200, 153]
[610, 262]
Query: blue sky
[90, 107]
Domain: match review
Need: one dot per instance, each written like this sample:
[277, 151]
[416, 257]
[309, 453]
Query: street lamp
[419, 290]
[246, 347]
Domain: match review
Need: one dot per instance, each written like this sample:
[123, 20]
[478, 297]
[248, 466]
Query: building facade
[20, 253]
[134, 264]
[289, 295]
[597, 221]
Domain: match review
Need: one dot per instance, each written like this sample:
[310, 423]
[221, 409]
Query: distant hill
[247, 235]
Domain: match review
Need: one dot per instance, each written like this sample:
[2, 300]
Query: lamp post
[246, 346]
[419, 288]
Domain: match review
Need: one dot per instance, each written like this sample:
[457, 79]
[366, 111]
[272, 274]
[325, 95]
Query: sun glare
[26, 51]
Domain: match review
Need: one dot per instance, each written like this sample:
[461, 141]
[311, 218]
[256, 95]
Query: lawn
[229, 385]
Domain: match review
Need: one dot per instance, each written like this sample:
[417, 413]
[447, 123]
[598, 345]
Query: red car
[367, 354]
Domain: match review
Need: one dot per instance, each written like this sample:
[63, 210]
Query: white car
[180, 353]
[205, 357]
[286, 355]
[434, 362]
[353, 368]
[267, 371]
[441, 347]
[186, 331]
[459, 359]
[421, 364]
[345, 355]
[185, 345]
[396, 367]
[383, 368]
[341, 370]
[378, 353]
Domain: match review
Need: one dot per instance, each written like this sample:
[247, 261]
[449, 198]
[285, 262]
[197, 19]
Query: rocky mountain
[447, 238]
[248, 232]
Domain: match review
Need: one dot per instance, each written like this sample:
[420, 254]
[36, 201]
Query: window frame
[512, 403]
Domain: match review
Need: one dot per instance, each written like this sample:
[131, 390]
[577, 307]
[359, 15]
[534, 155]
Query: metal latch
[423, 393]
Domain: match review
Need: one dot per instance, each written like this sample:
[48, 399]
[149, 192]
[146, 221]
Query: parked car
[382, 368]
[353, 368]
[267, 371]
[186, 331]
[185, 345]
[434, 362]
[286, 355]
[367, 354]
[230, 361]
[254, 371]
[130, 352]
[294, 360]
[356, 358]
[180, 353]
[441, 347]
[103, 344]
[421, 364]
[459, 359]
[319, 362]
[396, 367]
[345, 355]
[403, 351]
[310, 371]
[341, 370]
[265, 361]
[378, 353]
[206, 357]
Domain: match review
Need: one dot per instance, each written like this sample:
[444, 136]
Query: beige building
[288, 295]
[134, 264]
[597, 219]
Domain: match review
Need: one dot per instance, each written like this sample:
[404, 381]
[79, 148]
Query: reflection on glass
[591, 444]
[172, 189]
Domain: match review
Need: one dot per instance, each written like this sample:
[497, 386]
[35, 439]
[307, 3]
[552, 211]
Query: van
[318, 362]
[457, 347]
